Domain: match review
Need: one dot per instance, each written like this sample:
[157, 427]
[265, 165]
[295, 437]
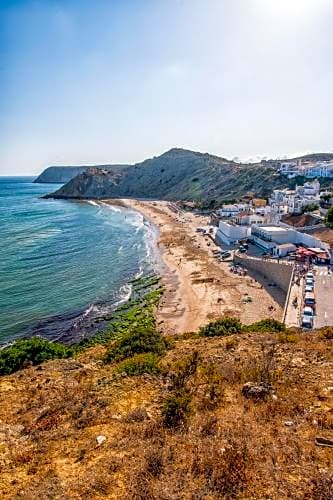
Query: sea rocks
[255, 391]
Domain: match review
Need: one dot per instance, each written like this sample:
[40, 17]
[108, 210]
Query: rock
[325, 394]
[256, 391]
[297, 362]
[100, 439]
[289, 423]
[322, 441]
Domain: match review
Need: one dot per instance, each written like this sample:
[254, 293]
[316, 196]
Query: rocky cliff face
[61, 175]
[175, 175]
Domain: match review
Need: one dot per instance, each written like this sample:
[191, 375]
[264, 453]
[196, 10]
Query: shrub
[154, 462]
[329, 217]
[35, 351]
[136, 341]
[184, 369]
[224, 326]
[268, 325]
[327, 333]
[211, 388]
[140, 364]
[176, 409]
[286, 338]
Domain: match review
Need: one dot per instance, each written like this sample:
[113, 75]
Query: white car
[309, 288]
[309, 281]
[307, 322]
[310, 275]
[308, 311]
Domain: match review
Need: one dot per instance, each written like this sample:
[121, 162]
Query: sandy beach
[199, 289]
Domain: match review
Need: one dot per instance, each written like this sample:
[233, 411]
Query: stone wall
[278, 272]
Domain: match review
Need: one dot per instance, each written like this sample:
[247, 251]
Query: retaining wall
[278, 272]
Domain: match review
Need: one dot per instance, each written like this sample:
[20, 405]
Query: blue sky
[84, 82]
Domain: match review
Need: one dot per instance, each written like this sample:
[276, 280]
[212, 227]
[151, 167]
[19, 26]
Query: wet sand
[199, 289]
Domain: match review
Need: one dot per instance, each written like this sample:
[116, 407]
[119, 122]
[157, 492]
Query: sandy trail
[197, 287]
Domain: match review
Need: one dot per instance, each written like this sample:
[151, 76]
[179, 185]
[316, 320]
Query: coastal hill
[63, 174]
[178, 174]
[236, 416]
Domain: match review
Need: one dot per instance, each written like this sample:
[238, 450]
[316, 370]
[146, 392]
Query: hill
[63, 174]
[175, 175]
[315, 157]
[231, 412]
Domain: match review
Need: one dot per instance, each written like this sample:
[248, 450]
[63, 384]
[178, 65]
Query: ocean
[63, 263]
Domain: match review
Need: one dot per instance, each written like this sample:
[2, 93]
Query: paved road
[324, 297]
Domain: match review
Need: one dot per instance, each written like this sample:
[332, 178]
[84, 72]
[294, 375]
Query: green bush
[329, 217]
[221, 327]
[140, 364]
[136, 341]
[268, 325]
[35, 350]
[176, 409]
[184, 369]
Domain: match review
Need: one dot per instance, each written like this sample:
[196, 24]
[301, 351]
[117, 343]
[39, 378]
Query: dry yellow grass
[226, 447]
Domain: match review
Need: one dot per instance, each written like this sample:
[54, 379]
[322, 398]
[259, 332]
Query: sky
[118, 81]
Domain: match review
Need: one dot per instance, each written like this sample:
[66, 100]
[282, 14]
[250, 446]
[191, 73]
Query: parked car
[225, 255]
[309, 300]
[308, 311]
[309, 281]
[242, 249]
[309, 288]
[309, 275]
[307, 322]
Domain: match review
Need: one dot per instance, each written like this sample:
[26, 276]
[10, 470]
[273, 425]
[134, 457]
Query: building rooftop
[272, 228]
[286, 245]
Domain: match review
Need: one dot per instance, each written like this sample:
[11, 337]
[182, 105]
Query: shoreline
[198, 289]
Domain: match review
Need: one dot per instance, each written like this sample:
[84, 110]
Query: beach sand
[199, 289]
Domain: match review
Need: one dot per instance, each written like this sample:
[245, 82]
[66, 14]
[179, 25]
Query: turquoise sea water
[62, 262]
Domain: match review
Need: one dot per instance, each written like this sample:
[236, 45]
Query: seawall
[278, 272]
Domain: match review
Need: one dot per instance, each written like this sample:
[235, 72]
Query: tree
[329, 217]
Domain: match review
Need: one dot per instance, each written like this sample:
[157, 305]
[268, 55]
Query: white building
[232, 210]
[290, 168]
[319, 169]
[284, 201]
[231, 233]
[284, 249]
[249, 218]
[309, 188]
[270, 237]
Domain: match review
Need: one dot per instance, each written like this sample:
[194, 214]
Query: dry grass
[230, 447]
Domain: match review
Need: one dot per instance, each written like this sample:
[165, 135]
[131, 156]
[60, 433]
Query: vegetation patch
[176, 409]
[136, 341]
[268, 325]
[140, 364]
[221, 327]
[30, 351]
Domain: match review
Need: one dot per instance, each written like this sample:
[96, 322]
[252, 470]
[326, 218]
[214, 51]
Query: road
[324, 297]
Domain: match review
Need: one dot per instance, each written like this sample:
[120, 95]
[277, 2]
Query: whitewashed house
[230, 233]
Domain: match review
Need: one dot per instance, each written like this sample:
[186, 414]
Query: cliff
[175, 175]
[63, 174]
